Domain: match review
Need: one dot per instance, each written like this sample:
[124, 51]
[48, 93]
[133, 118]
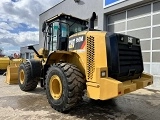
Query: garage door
[142, 22]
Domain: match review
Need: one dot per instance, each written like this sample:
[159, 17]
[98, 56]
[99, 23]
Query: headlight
[103, 74]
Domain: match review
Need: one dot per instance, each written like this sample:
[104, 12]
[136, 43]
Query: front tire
[64, 86]
[26, 81]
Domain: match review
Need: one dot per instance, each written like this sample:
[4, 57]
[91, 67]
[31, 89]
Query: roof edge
[29, 45]
[63, 14]
[52, 7]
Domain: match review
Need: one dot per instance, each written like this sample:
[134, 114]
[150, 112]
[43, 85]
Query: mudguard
[36, 67]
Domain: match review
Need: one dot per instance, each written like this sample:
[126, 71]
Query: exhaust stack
[91, 21]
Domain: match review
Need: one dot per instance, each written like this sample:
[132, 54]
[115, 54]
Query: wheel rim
[55, 87]
[22, 76]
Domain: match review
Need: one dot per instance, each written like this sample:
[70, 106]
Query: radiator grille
[124, 57]
[129, 56]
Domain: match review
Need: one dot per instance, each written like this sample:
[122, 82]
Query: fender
[56, 56]
[36, 68]
[66, 56]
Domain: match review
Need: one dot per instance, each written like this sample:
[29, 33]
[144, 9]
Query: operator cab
[58, 29]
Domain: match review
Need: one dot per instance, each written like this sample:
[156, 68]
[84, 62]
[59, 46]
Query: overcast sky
[19, 22]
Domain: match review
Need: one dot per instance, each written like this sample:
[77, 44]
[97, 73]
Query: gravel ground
[18, 105]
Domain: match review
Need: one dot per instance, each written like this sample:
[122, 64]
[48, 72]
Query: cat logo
[77, 42]
[71, 44]
[130, 40]
[79, 39]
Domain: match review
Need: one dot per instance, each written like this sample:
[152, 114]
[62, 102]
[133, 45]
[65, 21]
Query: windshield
[75, 27]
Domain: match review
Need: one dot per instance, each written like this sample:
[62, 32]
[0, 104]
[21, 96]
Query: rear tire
[26, 81]
[71, 84]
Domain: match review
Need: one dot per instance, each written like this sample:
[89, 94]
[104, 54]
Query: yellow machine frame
[98, 87]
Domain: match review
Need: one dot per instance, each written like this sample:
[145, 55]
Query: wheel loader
[4, 62]
[77, 58]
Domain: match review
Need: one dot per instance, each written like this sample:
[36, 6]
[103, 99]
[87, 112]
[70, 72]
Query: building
[26, 53]
[139, 18]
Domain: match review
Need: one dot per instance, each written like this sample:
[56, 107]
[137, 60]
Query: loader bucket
[15, 62]
[12, 71]
[4, 62]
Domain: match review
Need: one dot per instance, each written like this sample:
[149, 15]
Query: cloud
[9, 49]
[19, 22]
[25, 11]
[5, 26]
[19, 39]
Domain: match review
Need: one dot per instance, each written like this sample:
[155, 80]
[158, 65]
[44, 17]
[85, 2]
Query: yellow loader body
[4, 62]
[109, 88]
[92, 61]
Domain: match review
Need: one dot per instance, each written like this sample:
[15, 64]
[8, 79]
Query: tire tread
[76, 85]
[31, 83]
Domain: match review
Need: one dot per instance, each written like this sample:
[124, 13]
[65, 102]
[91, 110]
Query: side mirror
[30, 47]
[44, 26]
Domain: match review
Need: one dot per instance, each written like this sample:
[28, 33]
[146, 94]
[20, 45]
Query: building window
[31, 55]
[27, 55]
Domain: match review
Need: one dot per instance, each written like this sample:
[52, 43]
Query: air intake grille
[90, 57]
